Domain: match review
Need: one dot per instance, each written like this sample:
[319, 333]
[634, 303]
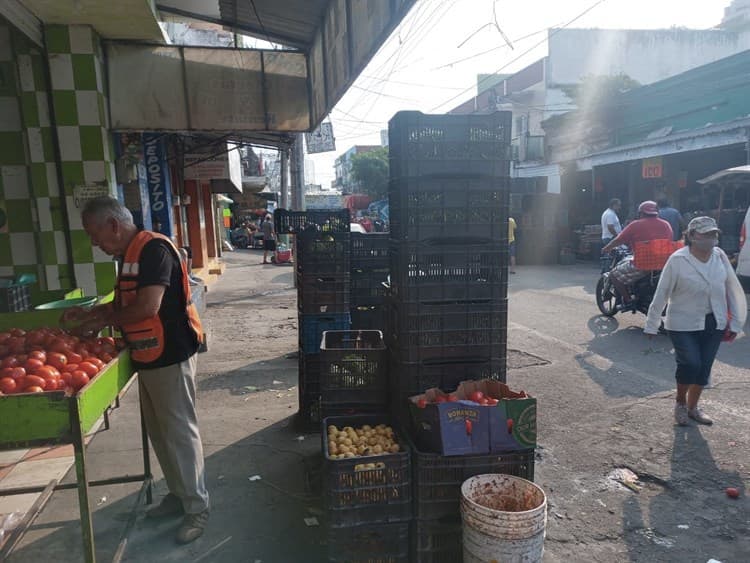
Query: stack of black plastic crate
[370, 266]
[322, 250]
[449, 197]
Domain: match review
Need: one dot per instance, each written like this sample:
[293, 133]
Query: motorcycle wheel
[606, 299]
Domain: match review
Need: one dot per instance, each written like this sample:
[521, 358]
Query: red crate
[653, 254]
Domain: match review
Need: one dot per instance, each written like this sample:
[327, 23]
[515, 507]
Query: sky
[431, 61]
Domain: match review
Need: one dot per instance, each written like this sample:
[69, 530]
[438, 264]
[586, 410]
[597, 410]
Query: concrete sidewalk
[605, 397]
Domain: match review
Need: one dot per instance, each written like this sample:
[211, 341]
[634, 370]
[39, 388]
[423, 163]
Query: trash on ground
[101, 501]
[625, 477]
[254, 478]
[300, 438]
[312, 521]
[683, 526]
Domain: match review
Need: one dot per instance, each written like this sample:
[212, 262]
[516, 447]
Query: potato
[349, 455]
[347, 441]
[394, 448]
[332, 429]
[378, 449]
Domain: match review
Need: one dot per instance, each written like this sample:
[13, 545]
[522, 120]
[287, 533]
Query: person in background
[705, 304]
[610, 221]
[154, 312]
[269, 237]
[512, 243]
[671, 216]
[647, 227]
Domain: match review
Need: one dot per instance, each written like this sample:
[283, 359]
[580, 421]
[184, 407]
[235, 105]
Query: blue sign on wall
[159, 188]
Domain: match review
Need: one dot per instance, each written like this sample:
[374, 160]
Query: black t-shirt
[159, 265]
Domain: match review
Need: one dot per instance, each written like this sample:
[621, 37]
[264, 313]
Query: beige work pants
[168, 405]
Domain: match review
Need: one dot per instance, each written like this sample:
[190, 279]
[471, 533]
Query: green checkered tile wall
[19, 230]
[78, 98]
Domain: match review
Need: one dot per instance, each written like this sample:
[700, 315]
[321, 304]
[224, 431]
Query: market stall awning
[325, 44]
[737, 172]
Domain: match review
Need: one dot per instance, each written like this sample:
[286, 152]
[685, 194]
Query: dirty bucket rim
[472, 503]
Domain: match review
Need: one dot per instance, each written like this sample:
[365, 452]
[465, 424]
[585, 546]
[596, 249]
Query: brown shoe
[170, 505]
[192, 527]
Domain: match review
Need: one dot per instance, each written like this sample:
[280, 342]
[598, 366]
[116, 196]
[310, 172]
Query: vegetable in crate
[361, 442]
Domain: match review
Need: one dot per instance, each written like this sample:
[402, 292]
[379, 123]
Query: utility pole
[297, 166]
[284, 177]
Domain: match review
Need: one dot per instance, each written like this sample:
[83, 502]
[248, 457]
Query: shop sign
[652, 168]
[83, 193]
[321, 140]
[157, 180]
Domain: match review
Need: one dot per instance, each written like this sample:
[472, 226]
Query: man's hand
[75, 315]
[729, 336]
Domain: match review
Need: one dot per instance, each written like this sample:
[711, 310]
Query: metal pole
[298, 173]
[284, 179]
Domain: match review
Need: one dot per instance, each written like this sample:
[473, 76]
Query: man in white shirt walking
[706, 304]
[611, 222]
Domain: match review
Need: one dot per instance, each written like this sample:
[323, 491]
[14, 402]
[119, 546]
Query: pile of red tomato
[50, 359]
[475, 397]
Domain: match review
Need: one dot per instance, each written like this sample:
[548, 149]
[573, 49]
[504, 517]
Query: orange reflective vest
[146, 338]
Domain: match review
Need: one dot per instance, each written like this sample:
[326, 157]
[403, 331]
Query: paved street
[605, 400]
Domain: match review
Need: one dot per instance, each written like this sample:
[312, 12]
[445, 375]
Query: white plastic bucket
[504, 519]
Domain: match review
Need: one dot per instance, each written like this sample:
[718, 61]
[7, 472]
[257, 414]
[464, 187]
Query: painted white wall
[645, 55]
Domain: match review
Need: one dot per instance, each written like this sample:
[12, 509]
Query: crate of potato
[366, 472]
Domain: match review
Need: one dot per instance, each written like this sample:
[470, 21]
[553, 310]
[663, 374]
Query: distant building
[737, 16]
[344, 181]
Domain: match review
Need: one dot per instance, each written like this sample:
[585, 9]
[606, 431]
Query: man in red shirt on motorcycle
[647, 227]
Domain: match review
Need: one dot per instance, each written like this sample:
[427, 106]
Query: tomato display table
[52, 418]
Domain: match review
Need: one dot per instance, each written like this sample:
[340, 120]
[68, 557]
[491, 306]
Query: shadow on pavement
[254, 377]
[690, 504]
[250, 520]
[613, 353]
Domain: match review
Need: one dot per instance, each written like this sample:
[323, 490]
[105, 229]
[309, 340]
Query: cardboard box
[455, 428]
[512, 423]
[464, 427]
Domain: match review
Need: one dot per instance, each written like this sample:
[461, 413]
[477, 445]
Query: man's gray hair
[102, 208]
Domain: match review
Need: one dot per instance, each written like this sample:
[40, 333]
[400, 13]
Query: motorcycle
[239, 237]
[642, 292]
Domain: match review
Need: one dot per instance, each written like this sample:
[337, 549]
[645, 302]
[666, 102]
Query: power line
[474, 56]
[526, 52]
[260, 22]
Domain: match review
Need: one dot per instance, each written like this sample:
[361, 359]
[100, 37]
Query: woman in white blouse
[705, 304]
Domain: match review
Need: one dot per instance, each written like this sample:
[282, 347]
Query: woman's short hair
[102, 208]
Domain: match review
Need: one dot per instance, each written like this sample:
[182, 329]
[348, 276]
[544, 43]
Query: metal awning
[262, 96]
[738, 172]
[292, 23]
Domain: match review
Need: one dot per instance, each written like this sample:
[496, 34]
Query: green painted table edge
[37, 418]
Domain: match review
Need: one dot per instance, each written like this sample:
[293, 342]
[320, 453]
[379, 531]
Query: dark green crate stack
[449, 195]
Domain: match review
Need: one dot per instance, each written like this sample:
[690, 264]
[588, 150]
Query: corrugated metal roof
[291, 21]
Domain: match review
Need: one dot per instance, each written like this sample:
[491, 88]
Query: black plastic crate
[354, 367]
[436, 330]
[323, 293]
[355, 494]
[322, 253]
[15, 298]
[323, 220]
[349, 409]
[421, 144]
[309, 374]
[312, 327]
[412, 378]
[369, 250]
[428, 207]
[448, 269]
[437, 541]
[371, 543]
[369, 317]
[438, 479]
[367, 285]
